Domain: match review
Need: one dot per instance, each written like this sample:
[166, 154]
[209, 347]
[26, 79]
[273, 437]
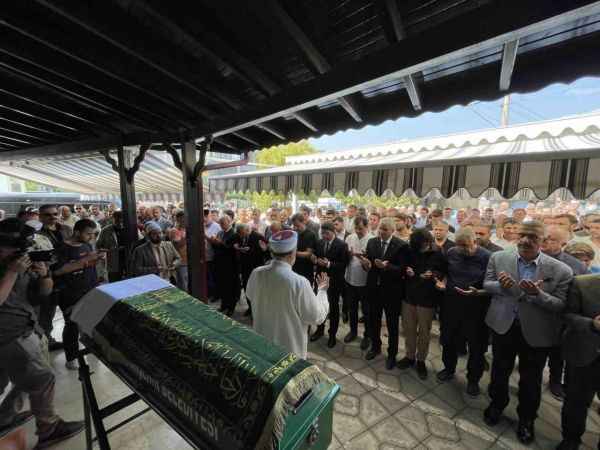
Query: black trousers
[556, 364]
[333, 296]
[532, 360]
[47, 312]
[353, 296]
[381, 301]
[464, 318]
[582, 385]
[114, 276]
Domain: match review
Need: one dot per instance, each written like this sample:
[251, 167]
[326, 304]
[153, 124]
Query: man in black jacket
[581, 349]
[331, 257]
[386, 259]
[251, 248]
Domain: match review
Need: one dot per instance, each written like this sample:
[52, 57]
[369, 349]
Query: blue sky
[555, 101]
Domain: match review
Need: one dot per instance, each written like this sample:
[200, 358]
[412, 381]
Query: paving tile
[471, 421]
[371, 410]
[413, 419]
[391, 401]
[346, 427]
[347, 404]
[335, 370]
[365, 441]
[391, 431]
[350, 386]
[432, 404]
[442, 427]
[351, 364]
[367, 377]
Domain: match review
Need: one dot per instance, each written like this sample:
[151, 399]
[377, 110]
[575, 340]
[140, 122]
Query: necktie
[326, 247]
[383, 248]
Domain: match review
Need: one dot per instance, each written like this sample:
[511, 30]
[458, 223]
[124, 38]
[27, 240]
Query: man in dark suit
[251, 248]
[529, 291]
[227, 269]
[581, 349]
[331, 257]
[555, 240]
[386, 259]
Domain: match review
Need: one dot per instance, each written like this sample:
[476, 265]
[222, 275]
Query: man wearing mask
[555, 239]
[331, 257]
[24, 359]
[56, 233]
[155, 256]
[386, 258]
[528, 290]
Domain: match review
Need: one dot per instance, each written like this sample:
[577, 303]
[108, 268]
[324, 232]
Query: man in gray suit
[529, 291]
[581, 349]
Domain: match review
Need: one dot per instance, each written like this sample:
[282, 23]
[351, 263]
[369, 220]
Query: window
[351, 181]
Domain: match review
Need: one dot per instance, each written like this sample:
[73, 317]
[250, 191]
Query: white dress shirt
[355, 274]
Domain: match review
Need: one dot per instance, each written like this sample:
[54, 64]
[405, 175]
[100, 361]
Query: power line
[530, 111]
[481, 116]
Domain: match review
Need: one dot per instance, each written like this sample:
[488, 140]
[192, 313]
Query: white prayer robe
[284, 305]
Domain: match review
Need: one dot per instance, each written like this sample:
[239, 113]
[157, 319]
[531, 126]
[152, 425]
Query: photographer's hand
[20, 265]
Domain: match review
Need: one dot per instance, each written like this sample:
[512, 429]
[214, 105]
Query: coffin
[215, 380]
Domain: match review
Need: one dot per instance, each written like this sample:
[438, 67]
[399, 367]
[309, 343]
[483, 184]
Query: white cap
[284, 241]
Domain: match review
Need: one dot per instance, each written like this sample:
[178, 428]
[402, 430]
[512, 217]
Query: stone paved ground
[377, 409]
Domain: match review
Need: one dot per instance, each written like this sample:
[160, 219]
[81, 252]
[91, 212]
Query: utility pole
[505, 108]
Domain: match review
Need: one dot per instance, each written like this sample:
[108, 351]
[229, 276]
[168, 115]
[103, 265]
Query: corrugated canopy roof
[79, 76]
[532, 141]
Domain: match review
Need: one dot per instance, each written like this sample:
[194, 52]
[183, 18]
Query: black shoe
[345, 317]
[444, 375]
[64, 430]
[568, 445]
[473, 389]
[390, 362]
[54, 345]
[491, 416]
[361, 320]
[349, 338]
[316, 335]
[405, 363]
[526, 433]
[422, 370]
[365, 343]
[331, 341]
[371, 354]
[558, 391]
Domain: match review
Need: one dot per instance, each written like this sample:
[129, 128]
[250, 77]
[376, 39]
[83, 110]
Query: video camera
[16, 234]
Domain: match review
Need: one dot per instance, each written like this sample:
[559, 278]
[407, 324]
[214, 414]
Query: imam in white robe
[284, 305]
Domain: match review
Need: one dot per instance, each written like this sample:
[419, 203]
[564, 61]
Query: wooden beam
[509, 57]
[272, 130]
[59, 43]
[399, 33]
[96, 21]
[310, 51]
[302, 117]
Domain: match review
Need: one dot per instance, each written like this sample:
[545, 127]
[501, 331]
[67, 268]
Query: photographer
[23, 347]
[75, 275]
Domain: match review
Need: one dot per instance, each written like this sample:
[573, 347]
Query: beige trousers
[416, 324]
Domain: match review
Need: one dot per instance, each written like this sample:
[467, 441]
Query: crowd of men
[516, 278]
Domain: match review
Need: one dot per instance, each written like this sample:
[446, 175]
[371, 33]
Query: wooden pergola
[126, 77]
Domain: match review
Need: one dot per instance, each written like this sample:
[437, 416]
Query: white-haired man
[283, 302]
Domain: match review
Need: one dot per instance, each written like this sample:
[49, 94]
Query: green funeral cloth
[228, 386]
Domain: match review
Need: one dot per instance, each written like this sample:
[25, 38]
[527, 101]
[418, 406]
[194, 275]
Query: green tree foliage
[275, 156]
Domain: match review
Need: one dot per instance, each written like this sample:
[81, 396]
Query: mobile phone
[41, 255]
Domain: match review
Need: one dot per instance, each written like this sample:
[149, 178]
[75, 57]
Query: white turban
[283, 242]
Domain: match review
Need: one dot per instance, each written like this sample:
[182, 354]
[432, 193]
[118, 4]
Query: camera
[16, 234]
